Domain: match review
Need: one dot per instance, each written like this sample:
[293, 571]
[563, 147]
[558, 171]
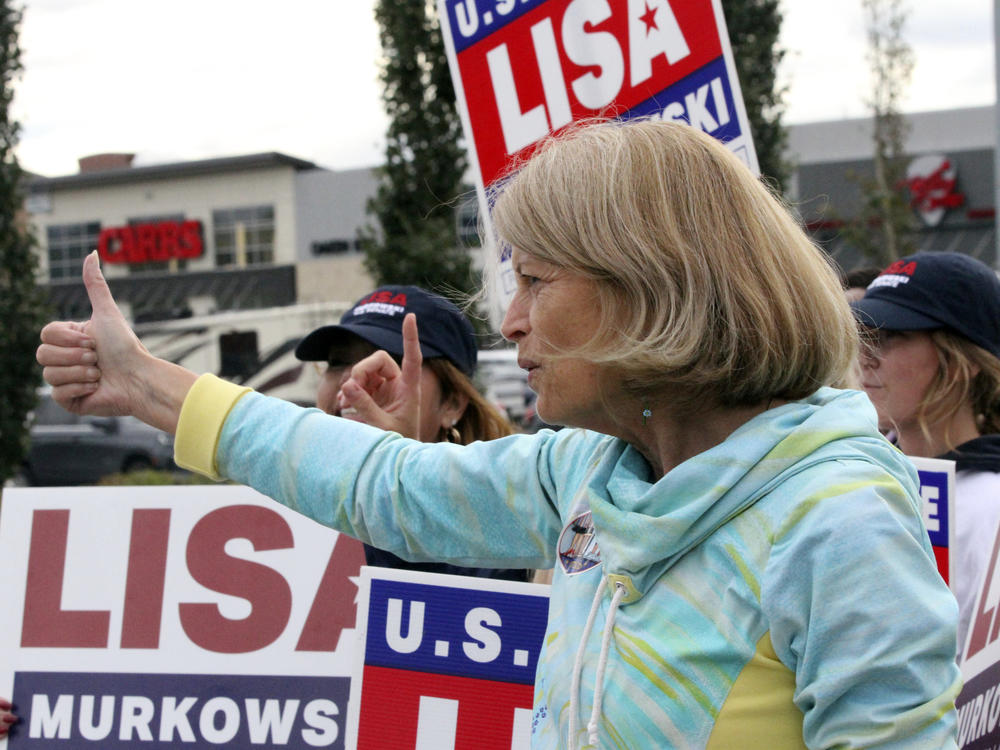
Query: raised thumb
[97, 288]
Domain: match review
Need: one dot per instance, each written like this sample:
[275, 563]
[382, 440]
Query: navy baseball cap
[378, 319]
[929, 291]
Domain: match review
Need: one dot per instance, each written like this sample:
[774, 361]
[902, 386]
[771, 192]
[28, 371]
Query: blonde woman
[740, 557]
[931, 366]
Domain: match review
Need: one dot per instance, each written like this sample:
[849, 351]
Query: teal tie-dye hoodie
[777, 591]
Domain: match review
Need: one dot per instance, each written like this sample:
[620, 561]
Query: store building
[193, 238]
[221, 265]
[270, 230]
[949, 183]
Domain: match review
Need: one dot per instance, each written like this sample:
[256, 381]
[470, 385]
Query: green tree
[885, 227]
[754, 27]
[415, 240]
[22, 307]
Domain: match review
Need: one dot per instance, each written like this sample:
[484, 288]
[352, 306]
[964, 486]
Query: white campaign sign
[204, 615]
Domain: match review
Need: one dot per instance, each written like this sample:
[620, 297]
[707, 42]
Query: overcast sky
[172, 80]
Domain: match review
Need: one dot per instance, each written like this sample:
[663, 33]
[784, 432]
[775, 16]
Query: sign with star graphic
[523, 69]
[201, 617]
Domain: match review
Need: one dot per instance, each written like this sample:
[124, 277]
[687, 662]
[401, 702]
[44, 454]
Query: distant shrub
[152, 477]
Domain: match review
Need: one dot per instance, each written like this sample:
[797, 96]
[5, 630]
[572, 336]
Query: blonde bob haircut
[705, 283]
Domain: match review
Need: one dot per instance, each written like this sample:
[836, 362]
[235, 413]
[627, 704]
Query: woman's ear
[452, 409]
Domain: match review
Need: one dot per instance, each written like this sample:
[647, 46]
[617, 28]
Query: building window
[156, 266]
[335, 247]
[244, 236]
[68, 245]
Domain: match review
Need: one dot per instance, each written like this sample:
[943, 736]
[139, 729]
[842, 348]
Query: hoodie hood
[979, 454]
[645, 526]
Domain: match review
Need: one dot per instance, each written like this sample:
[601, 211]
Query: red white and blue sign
[523, 69]
[978, 704]
[526, 68]
[448, 663]
[937, 496]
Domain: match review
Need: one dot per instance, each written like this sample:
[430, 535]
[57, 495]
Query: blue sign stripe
[939, 481]
[696, 99]
[455, 631]
[474, 20]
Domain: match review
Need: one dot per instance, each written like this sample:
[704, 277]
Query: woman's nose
[515, 321]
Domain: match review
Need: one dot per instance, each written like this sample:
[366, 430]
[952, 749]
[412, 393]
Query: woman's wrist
[164, 385]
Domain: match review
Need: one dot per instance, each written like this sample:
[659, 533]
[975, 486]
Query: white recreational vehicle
[251, 347]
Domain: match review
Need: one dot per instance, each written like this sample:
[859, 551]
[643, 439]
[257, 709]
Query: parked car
[68, 449]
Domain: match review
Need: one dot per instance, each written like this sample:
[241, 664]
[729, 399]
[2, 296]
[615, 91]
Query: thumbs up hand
[100, 367]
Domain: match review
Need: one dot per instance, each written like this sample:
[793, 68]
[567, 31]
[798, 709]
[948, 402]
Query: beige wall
[194, 197]
[341, 279]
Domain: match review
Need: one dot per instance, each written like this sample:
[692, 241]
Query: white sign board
[167, 617]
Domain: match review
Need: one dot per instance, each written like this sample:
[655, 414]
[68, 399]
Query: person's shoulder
[575, 438]
[572, 452]
[844, 490]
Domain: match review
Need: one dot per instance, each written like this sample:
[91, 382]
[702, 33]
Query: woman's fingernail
[88, 358]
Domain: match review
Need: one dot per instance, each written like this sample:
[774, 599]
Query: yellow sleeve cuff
[203, 413]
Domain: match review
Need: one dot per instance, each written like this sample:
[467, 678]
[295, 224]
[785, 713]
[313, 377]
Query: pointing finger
[412, 357]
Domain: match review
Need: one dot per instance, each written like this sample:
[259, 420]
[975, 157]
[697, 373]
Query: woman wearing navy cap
[368, 345]
[932, 370]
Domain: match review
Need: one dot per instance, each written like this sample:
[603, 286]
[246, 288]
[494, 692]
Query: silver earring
[646, 414]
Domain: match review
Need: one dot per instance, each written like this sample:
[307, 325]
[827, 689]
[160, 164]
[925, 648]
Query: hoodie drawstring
[602, 663]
